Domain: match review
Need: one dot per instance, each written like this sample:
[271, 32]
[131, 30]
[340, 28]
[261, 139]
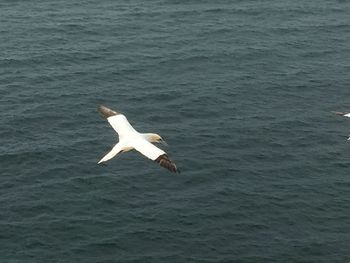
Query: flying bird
[130, 139]
[345, 114]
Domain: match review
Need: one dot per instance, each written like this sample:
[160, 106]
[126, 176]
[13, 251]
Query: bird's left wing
[117, 120]
[154, 153]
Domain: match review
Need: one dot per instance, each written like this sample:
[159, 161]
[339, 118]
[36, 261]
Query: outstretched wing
[345, 114]
[118, 121]
[154, 153]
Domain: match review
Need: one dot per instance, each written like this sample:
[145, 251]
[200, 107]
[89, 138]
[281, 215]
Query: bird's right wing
[154, 153]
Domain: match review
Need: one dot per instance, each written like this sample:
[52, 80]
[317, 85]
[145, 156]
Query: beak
[163, 142]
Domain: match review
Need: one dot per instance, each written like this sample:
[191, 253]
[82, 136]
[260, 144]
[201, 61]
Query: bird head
[157, 138]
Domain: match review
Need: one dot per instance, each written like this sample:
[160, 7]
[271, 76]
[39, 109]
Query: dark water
[242, 92]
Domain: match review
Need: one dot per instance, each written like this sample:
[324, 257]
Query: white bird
[130, 139]
[345, 114]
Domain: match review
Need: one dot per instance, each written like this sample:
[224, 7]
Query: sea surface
[242, 91]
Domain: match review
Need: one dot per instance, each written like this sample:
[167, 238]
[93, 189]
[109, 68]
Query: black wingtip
[339, 113]
[164, 161]
[106, 112]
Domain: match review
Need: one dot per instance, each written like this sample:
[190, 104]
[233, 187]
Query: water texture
[241, 91]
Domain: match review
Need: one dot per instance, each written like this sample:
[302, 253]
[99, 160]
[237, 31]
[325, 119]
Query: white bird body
[130, 139]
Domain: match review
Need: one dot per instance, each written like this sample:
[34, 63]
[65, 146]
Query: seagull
[345, 114]
[130, 139]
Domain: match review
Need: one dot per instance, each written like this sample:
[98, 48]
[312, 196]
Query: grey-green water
[242, 92]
